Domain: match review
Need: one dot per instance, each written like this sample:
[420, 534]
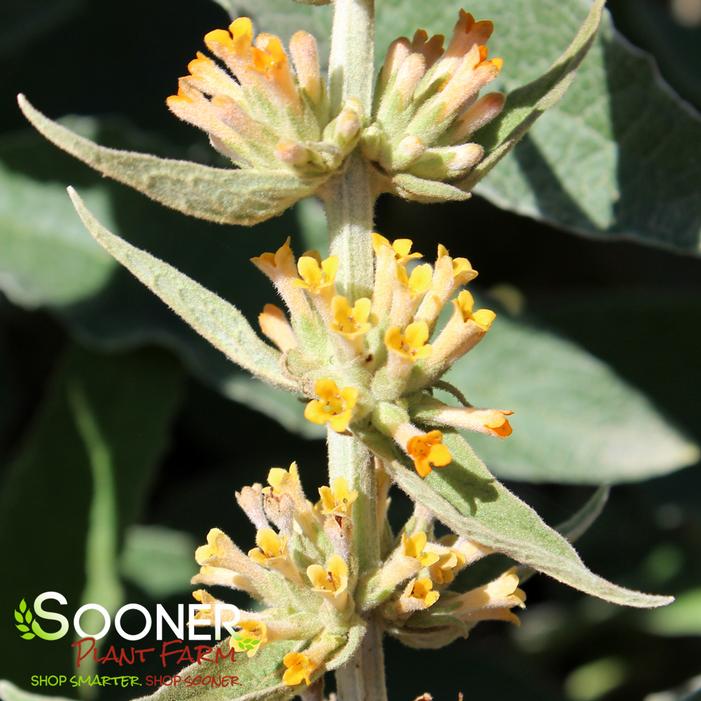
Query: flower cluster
[427, 104]
[303, 574]
[257, 110]
[369, 365]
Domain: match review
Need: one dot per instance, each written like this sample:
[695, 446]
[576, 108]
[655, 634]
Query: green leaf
[101, 429]
[577, 524]
[9, 692]
[612, 129]
[221, 195]
[159, 560]
[525, 105]
[218, 321]
[18, 617]
[427, 191]
[576, 421]
[37, 236]
[23, 605]
[466, 498]
[259, 678]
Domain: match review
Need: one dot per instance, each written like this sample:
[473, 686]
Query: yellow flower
[462, 268]
[348, 321]
[283, 481]
[414, 546]
[419, 281]
[282, 260]
[271, 548]
[443, 570]
[334, 406]
[465, 303]
[401, 247]
[299, 668]
[226, 614]
[317, 277]
[498, 424]
[428, 451]
[418, 595]
[218, 549]
[332, 579]
[410, 345]
[337, 500]
[493, 600]
[251, 636]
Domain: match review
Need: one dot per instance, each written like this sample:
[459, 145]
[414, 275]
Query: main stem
[350, 204]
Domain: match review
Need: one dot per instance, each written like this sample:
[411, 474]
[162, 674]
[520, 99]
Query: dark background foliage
[178, 449]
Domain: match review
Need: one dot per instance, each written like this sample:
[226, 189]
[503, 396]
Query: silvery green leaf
[218, 321]
[356, 633]
[577, 524]
[576, 420]
[526, 104]
[418, 189]
[467, 498]
[222, 195]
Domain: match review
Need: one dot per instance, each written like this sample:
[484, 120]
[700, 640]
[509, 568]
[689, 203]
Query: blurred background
[123, 437]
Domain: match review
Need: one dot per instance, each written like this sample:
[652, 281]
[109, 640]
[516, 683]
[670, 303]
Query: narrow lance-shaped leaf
[471, 502]
[218, 321]
[526, 104]
[577, 524]
[427, 191]
[221, 195]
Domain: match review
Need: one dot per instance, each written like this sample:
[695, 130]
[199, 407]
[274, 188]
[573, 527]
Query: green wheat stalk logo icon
[23, 619]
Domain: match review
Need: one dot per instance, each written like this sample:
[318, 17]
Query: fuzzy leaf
[159, 560]
[355, 637]
[222, 195]
[576, 420]
[259, 678]
[471, 502]
[427, 191]
[220, 322]
[528, 103]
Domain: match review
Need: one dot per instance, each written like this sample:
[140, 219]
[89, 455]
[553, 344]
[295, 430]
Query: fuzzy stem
[363, 678]
[349, 198]
[350, 203]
